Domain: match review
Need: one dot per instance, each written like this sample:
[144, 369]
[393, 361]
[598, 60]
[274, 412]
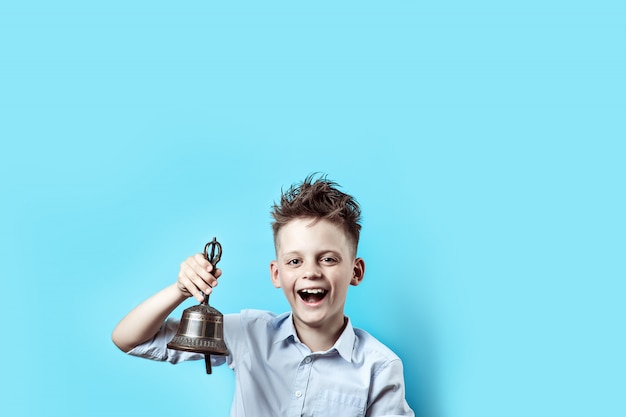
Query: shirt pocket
[331, 403]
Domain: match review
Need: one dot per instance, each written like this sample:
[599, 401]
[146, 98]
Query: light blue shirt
[278, 376]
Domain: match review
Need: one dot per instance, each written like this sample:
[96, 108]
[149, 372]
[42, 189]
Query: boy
[307, 362]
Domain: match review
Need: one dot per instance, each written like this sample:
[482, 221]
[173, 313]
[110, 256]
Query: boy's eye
[293, 262]
[329, 260]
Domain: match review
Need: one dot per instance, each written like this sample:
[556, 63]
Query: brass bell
[201, 327]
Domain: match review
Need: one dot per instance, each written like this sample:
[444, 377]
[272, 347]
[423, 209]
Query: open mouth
[312, 295]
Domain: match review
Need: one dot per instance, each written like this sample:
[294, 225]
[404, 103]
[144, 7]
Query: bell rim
[185, 348]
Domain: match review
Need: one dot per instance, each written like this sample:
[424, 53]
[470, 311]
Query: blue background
[484, 140]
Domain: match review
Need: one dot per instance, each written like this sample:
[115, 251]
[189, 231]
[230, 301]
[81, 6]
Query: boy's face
[315, 265]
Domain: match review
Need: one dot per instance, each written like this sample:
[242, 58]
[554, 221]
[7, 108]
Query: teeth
[313, 291]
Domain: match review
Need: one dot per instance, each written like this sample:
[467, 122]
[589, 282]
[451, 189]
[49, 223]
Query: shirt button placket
[301, 383]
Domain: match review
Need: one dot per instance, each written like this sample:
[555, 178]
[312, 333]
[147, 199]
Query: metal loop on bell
[213, 258]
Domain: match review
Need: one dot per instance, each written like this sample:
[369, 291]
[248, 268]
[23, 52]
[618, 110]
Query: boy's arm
[145, 320]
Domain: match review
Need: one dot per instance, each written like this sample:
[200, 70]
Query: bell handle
[205, 300]
[213, 259]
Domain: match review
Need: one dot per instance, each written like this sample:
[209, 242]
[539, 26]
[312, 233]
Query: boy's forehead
[298, 233]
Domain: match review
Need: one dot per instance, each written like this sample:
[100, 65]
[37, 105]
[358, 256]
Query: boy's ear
[274, 274]
[358, 271]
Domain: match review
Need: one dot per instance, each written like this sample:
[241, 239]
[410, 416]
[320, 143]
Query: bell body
[201, 330]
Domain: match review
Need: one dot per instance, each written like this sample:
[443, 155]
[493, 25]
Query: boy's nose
[312, 273]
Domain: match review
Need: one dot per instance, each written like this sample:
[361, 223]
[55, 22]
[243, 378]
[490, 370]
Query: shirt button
[298, 394]
[307, 359]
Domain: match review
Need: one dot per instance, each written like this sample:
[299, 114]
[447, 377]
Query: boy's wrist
[180, 294]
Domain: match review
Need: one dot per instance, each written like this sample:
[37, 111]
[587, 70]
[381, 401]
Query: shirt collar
[284, 328]
[344, 345]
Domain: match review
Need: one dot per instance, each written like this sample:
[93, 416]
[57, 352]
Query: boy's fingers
[198, 282]
[205, 270]
[197, 276]
[193, 289]
[199, 266]
[205, 265]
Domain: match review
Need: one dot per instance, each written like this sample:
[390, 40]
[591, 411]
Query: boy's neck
[319, 339]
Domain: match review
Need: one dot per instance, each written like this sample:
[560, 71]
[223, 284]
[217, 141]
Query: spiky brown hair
[320, 199]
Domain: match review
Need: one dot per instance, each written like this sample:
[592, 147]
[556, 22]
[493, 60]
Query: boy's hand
[197, 276]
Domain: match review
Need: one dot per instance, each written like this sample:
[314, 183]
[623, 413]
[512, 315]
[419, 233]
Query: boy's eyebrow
[299, 253]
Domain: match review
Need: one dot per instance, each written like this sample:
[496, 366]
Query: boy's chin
[313, 319]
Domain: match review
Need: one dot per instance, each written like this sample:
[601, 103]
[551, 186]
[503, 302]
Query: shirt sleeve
[156, 348]
[387, 396]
